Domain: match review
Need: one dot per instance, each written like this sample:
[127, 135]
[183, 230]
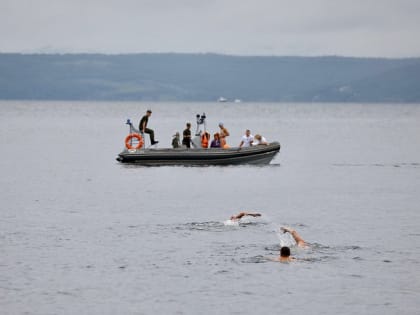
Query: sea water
[81, 233]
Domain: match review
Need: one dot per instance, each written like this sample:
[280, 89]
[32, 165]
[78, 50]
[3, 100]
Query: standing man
[223, 134]
[186, 139]
[223, 131]
[143, 127]
[247, 139]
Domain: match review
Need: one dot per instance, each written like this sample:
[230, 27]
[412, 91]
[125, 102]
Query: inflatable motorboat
[260, 154]
[136, 153]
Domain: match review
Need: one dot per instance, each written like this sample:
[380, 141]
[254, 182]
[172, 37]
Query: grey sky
[384, 28]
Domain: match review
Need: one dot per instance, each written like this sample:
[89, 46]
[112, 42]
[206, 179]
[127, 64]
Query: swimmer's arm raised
[298, 239]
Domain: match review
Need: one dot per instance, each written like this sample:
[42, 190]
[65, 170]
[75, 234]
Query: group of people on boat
[219, 138]
[248, 139]
[218, 141]
[285, 253]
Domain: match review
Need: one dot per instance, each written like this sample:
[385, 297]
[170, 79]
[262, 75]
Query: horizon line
[204, 53]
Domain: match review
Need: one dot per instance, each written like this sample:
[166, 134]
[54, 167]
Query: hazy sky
[384, 28]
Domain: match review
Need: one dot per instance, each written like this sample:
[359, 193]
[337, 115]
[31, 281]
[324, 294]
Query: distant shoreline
[179, 77]
[81, 53]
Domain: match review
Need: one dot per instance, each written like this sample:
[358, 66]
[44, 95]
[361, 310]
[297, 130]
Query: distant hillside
[206, 77]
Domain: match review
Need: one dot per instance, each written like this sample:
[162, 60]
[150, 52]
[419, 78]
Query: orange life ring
[128, 141]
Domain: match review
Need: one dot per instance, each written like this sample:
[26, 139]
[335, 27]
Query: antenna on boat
[132, 128]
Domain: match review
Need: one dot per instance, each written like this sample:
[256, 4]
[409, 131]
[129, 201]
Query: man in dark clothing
[143, 127]
[186, 140]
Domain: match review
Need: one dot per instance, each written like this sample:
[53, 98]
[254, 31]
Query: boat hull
[261, 154]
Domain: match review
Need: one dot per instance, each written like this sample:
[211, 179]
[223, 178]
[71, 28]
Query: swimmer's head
[285, 251]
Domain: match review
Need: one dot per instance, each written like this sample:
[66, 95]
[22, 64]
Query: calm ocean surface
[82, 234]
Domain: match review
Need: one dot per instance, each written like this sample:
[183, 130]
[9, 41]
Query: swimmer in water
[284, 255]
[243, 214]
[285, 250]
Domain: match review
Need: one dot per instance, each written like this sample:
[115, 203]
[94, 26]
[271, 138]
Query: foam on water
[231, 222]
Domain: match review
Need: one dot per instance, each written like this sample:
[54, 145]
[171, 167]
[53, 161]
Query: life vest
[205, 137]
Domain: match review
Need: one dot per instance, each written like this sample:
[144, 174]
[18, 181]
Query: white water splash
[231, 223]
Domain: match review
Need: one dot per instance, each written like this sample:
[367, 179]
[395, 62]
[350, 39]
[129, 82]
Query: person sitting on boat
[205, 137]
[259, 140]
[143, 127]
[175, 141]
[243, 214]
[215, 143]
[247, 139]
[186, 140]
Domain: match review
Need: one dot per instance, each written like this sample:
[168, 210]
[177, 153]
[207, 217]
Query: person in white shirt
[247, 139]
[258, 139]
